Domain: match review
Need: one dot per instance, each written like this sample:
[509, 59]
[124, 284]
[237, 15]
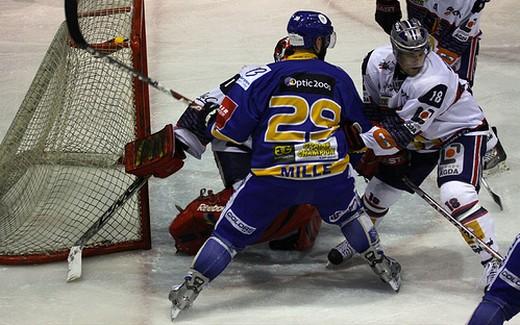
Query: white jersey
[434, 104]
[456, 12]
[216, 95]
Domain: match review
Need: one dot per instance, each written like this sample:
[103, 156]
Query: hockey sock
[213, 257]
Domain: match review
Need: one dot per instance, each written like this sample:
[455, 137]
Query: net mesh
[59, 161]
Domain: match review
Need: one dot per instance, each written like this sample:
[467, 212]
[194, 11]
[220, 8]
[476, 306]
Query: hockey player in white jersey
[423, 116]
[454, 27]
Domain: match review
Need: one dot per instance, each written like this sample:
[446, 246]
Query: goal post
[60, 160]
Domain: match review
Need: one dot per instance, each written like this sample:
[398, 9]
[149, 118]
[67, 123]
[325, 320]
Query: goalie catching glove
[158, 154]
[369, 164]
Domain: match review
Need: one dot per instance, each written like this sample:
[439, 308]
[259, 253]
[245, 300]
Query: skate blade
[175, 312]
[500, 168]
[395, 285]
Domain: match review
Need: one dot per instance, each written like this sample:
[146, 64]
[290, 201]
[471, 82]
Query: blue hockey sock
[213, 257]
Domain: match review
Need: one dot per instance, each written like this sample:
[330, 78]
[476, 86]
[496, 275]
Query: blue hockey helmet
[305, 27]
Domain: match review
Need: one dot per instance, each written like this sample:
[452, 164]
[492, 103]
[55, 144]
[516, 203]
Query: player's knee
[460, 198]
[378, 198]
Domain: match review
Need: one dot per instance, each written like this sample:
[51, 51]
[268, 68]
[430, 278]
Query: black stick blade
[71, 16]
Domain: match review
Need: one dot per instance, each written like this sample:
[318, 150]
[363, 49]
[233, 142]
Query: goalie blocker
[295, 228]
[158, 154]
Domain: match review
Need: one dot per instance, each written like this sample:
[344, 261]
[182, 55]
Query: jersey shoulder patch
[249, 74]
[435, 96]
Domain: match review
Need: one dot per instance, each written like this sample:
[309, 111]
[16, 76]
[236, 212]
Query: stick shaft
[450, 218]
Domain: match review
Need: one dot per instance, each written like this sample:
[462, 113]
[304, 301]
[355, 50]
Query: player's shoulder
[249, 74]
[378, 59]
[433, 84]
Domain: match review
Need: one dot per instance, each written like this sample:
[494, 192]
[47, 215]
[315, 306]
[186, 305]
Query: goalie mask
[282, 49]
[410, 44]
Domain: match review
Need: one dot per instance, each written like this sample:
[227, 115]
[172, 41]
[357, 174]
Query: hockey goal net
[60, 165]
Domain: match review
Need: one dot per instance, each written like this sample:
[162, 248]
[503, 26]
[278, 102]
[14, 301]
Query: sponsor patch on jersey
[309, 83]
[247, 78]
[510, 278]
[452, 160]
[313, 151]
[238, 224]
[226, 109]
[283, 153]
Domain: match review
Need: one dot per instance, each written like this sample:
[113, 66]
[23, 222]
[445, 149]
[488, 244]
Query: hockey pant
[255, 205]
[458, 176]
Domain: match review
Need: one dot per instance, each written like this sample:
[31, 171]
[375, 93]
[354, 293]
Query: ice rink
[192, 47]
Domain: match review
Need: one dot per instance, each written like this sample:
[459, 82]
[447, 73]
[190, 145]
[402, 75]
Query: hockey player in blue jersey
[298, 113]
[501, 301]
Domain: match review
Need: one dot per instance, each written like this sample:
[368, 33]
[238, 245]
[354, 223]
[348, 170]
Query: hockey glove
[388, 12]
[368, 165]
[375, 113]
[399, 130]
[353, 131]
[479, 5]
[194, 120]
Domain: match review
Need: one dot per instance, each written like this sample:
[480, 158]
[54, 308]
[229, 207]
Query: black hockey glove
[388, 12]
[479, 5]
[194, 120]
[399, 130]
[375, 113]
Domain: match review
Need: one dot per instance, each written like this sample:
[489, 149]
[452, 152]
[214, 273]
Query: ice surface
[192, 46]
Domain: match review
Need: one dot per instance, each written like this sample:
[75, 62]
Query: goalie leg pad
[155, 155]
[295, 228]
[193, 225]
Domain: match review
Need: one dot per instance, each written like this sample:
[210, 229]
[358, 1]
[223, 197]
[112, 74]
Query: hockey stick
[451, 219]
[74, 259]
[71, 16]
[495, 196]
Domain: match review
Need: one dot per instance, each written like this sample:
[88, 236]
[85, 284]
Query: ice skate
[494, 159]
[184, 294]
[340, 254]
[490, 272]
[387, 268]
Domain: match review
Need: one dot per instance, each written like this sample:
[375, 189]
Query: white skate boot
[183, 295]
[387, 268]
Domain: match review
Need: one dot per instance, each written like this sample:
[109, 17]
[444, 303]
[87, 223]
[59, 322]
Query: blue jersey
[506, 285]
[293, 110]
